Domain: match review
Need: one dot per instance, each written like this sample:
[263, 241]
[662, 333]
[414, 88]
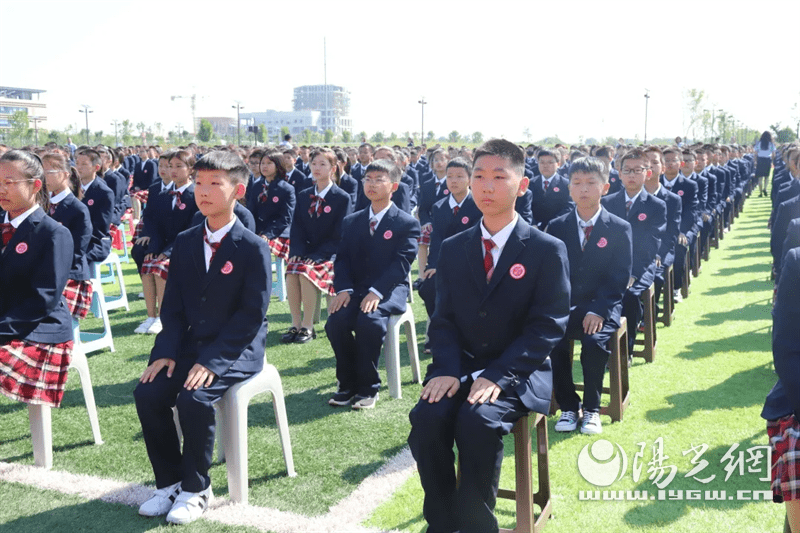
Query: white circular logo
[602, 465]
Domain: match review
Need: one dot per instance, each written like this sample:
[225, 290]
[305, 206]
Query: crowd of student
[560, 244]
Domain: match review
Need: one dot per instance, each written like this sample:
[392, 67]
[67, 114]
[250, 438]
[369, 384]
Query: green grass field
[706, 387]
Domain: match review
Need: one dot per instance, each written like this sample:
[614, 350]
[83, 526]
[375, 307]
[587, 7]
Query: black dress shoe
[289, 336]
[304, 335]
[417, 284]
[342, 397]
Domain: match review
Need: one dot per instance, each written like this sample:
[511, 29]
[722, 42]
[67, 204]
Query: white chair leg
[221, 430]
[391, 353]
[80, 364]
[236, 428]
[413, 349]
[41, 435]
[281, 420]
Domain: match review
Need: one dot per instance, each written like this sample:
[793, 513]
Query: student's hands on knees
[148, 257]
[482, 390]
[370, 303]
[152, 371]
[141, 241]
[682, 240]
[339, 301]
[438, 387]
[428, 273]
[592, 324]
[199, 376]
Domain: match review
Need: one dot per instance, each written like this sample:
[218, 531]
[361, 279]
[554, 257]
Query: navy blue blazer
[34, 268]
[702, 195]
[299, 181]
[273, 216]
[445, 224]
[524, 207]
[241, 212]
[786, 212]
[648, 220]
[357, 171]
[428, 197]
[99, 198]
[599, 274]
[349, 185]
[217, 318]
[509, 326]
[712, 198]
[552, 204]
[317, 238]
[666, 251]
[401, 198]
[167, 222]
[792, 240]
[145, 175]
[614, 181]
[687, 190]
[73, 215]
[119, 185]
[784, 398]
[381, 261]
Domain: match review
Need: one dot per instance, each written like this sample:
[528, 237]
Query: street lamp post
[238, 108]
[422, 102]
[646, 101]
[36, 128]
[86, 110]
[116, 137]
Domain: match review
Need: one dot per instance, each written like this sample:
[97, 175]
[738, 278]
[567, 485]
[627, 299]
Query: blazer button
[482, 314]
[485, 345]
[203, 299]
[203, 321]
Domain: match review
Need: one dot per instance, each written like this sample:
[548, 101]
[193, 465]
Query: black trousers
[477, 430]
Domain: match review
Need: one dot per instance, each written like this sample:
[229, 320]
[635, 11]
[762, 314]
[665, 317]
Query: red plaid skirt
[784, 438]
[137, 232]
[320, 274]
[425, 237]
[78, 295]
[157, 267]
[141, 195]
[31, 372]
[279, 247]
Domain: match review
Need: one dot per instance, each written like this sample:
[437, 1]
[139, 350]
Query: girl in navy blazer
[35, 258]
[170, 214]
[65, 208]
[272, 202]
[315, 234]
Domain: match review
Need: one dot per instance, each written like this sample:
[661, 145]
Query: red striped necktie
[488, 260]
[8, 232]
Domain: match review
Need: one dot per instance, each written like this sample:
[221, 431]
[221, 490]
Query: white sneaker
[140, 296]
[189, 506]
[144, 326]
[161, 501]
[567, 422]
[156, 327]
[677, 296]
[591, 424]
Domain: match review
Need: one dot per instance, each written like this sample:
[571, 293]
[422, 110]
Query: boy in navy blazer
[600, 260]
[674, 182]
[647, 216]
[550, 191]
[214, 336]
[502, 302]
[373, 260]
[99, 198]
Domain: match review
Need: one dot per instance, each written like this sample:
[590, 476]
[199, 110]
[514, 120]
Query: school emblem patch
[642, 217]
[446, 192]
[274, 199]
[327, 209]
[680, 193]
[181, 206]
[602, 243]
[227, 268]
[517, 271]
[90, 202]
[22, 248]
[465, 220]
[388, 234]
[556, 189]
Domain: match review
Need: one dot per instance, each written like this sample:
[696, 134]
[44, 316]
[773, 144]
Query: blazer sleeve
[342, 279]
[283, 220]
[786, 334]
[405, 254]
[101, 225]
[609, 297]
[327, 249]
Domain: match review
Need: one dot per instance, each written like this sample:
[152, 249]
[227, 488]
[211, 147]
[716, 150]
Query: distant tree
[127, 130]
[54, 136]
[361, 135]
[453, 137]
[260, 133]
[785, 135]
[477, 137]
[284, 131]
[328, 136]
[206, 131]
[430, 136]
[19, 127]
[695, 100]
[347, 136]
[98, 136]
[377, 138]
[392, 137]
[142, 128]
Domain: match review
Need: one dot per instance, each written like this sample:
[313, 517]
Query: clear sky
[568, 68]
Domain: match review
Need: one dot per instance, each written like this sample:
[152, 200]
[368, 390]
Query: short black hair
[589, 165]
[228, 162]
[505, 149]
[387, 167]
[460, 162]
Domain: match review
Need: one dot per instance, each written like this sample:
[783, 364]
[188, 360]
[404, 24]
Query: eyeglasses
[6, 184]
[55, 172]
[369, 181]
[637, 171]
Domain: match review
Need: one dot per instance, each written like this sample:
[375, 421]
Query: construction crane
[193, 99]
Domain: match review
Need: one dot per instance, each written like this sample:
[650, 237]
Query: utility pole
[422, 102]
[35, 121]
[115, 122]
[238, 108]
[646, 102]
[86, 110]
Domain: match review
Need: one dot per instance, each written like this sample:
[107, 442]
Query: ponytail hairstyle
[59, 160]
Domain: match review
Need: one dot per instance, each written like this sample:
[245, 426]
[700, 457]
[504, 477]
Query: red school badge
[274, 199]
[22, 248]
[642, 217]
[517, 271]
[327, 209]
[90, 202]
[602, 243]
[227, 268]
[465, 220]
[388, 234]
[556, 189]
[446, 192]
[680, 193]
[181, 206]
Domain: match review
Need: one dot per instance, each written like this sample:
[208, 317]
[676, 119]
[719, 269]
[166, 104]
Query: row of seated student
[322, 244]
[785, 196]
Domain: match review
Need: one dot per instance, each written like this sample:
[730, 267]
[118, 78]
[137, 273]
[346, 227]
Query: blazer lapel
[21, 233]
[229, 245]
[512, 249]
[474, 257]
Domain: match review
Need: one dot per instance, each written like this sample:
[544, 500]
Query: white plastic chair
[93, 342]
[114, 276]
[232, 427]
[391, 350]
[39, 416]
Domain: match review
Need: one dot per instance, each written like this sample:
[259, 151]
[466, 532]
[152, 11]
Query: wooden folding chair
[648, 341]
